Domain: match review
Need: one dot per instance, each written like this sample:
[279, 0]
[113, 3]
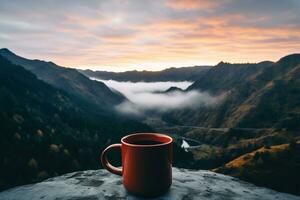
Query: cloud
[123, 35]
[145, 97]
[131, 88]
[192, 4]
[165, 102]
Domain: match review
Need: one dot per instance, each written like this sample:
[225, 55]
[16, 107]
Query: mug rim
[145, 145]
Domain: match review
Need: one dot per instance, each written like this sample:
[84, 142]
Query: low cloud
[148, 97]
[130, 89]
[165, 102]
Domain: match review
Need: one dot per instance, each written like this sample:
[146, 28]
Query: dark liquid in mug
[146, 142]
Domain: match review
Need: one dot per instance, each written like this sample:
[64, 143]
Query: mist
[148, 96]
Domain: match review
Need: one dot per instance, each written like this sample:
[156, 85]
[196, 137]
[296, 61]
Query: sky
[120, 35]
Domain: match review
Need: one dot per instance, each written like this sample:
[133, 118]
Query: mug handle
[105, 162]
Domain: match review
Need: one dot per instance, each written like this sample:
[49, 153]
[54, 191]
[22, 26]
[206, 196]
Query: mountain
[45, 131]
[173, 89]
[69, 80]
[270, 98]
[262, 95]
[170, 90]
[225, 76]
[272, 166]
[170, 74]
[251, 132]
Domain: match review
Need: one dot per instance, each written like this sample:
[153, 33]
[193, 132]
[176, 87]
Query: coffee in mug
[146, 163]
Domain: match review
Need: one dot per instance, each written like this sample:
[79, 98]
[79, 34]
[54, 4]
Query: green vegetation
[68, 80]
[46, 132]
[259, 156]
[276, 167]
[263, 95]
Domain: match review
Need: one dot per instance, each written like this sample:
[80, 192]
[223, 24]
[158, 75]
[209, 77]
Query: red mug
[146, 163]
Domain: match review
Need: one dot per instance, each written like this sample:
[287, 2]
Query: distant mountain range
[170, 74]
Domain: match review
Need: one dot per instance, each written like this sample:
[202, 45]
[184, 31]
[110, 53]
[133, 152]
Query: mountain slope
[276, 167]
[274, 100]
[259, 96]
[69, 80]
[225, 76]
[45, 131]
[170, 74]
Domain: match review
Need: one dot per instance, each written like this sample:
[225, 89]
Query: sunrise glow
[121, 35]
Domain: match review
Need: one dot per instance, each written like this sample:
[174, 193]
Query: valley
[253, 113]
[224, 149]
[222, 78]
[220, 122]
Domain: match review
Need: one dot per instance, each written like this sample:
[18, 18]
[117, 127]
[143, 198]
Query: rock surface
[100, 184]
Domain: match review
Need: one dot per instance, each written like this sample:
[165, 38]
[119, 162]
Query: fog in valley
[145, 96]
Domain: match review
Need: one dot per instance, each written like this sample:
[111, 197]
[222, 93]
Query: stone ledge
[100, 184]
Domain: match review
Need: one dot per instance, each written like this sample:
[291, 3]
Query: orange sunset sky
[119, 35]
